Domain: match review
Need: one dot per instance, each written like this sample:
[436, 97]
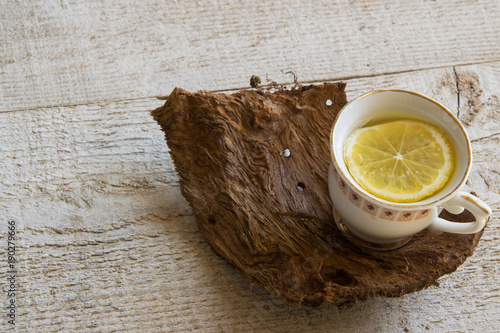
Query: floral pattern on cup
[372, 209]
[388, 214]
[406, 216]
[335, 175]
[355, 199]
[421, 214]
[343, 187]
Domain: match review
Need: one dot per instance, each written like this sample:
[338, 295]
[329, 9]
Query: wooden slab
[253, 165]
[70, 52]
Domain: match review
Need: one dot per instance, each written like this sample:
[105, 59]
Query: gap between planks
[229, 90]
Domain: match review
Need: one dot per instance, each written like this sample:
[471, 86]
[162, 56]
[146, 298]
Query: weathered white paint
[68, 52]
[108, 244]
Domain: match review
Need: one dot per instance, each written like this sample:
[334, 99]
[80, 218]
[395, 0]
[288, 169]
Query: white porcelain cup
[379, 224]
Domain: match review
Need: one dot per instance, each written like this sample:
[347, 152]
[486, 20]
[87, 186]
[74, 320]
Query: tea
[399, 160]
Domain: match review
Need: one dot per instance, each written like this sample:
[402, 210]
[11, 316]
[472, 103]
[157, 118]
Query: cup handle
[455, 205]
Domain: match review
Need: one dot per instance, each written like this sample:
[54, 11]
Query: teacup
[380, 224]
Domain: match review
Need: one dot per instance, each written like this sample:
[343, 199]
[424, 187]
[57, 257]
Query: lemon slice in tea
[400, 161]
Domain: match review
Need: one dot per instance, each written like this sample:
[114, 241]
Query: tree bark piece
[253, 165]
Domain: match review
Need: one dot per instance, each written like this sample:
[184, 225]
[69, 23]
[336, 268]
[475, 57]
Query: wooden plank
[63, 53]
[479, 110]
[108, 244]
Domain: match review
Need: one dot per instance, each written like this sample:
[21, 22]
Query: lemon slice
[400, 161]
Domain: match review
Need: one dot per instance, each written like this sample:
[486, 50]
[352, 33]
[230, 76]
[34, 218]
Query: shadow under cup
[386, 105]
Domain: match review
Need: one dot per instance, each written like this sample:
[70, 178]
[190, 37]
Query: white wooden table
[104, 240]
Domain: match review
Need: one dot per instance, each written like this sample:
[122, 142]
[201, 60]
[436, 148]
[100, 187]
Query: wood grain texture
[110, 245]
[69, 52]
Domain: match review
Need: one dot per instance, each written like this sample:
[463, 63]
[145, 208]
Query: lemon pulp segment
[400, 161]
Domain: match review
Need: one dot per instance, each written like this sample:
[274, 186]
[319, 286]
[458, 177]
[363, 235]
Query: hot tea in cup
[402, 160]
[398, 159]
